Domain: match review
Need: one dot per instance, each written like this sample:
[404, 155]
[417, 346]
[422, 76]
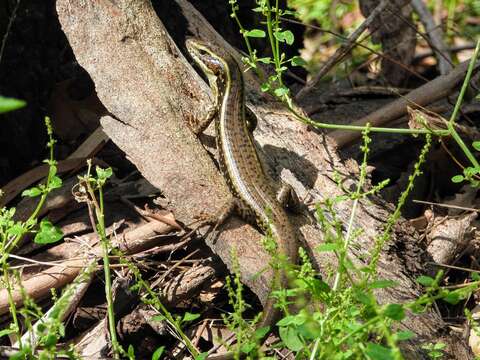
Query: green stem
[246, 39]
[464, 88]
[106, 268]
[277, 45]
[273, 26]
[33, 217]
[458, 104]
[359, 329]
[160, 307]
[320, 125]
[271, 38]
[356, 197]
[11, 304]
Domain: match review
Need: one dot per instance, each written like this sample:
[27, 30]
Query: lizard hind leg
[288, 198]
[231, 207]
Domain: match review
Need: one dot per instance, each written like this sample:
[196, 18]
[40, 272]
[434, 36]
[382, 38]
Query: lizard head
[213, 65]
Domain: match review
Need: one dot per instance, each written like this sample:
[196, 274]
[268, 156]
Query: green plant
[278, 37]
[42, 339]
[247, 341]
[309, 10]
[150, 297]
[434, 350]
[92, 189]
[469, 172]
[10, 104]
[351, 322]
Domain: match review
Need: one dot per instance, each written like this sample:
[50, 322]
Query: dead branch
[342, 51]
[435, 36]
[424, 95]
[55, 277]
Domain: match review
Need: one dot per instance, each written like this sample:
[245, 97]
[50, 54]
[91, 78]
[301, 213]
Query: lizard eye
[202, 52]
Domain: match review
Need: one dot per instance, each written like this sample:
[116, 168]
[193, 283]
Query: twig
[426, 94]
[452, 50]
[446, 205]
[61, 274]
[343, 50]
[150, 214]
[9, 26]
[65, 305]
[170, 270]
[435, 35]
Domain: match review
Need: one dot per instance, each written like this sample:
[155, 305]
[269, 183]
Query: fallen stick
[17, 185]
[424, 95]
[55, 277]
[435, 37]
[343, 50]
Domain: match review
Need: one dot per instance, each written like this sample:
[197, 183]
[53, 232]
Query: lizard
[254, 193]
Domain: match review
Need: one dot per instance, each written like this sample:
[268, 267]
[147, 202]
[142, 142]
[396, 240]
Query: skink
[239, 161]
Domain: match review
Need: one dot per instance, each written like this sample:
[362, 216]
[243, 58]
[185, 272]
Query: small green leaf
[457, 179]
[425, 280]
[55, 183]
[395, 312]
[52, 170]
[159, 318]
[48, 340]
[6, 332]
[289, 320]
[475, 276]
[470, 171]
[363, 298]
[288, 12]
[289, 37]
[452, 298]
[476, 145]
[201, 356]
[298, 61]
[285, 36]
[103, 174]
[32, 192]
[188, 316]
[255, 33]
[328, 247]
[340, 198]
[265, 87]
[318, 287]
[418, 309]
[382, 284]
[260, 333]
[281, 91]
[379, 352]
[10, 104]
[248, 347]
[131, 351]
[16, 229]
[22, 354]
[404, 335]
[290, 338]
[265, 60]
[48, 233]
